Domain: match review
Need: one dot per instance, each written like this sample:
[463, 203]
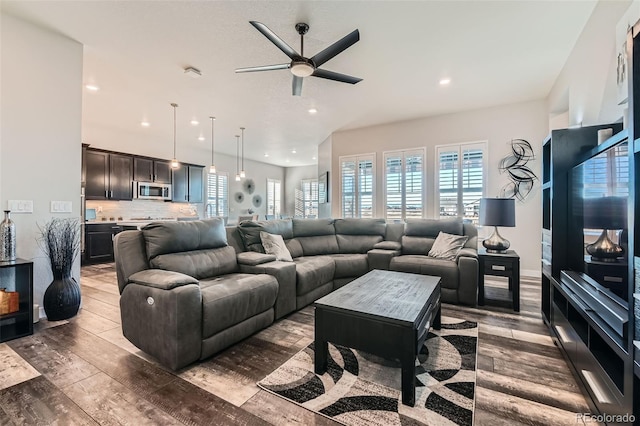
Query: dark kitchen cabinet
[149, 170]
[99, 241]
[109, 176]
[188, 184]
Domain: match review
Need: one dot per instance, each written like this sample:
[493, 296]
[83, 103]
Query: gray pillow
[447, 246]
[274, 244]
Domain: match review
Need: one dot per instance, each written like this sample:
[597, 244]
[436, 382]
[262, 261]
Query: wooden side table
[501, 265]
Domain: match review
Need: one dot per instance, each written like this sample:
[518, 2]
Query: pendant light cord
[237, 155]
[213, 119]
[242, 130]
[174, 129]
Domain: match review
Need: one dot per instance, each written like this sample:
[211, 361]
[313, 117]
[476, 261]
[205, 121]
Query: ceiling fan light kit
[301, 66]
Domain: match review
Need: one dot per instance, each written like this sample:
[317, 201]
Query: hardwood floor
[83, 371]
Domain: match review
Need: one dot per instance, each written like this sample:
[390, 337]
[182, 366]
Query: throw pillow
[274, 244]
[447, 246]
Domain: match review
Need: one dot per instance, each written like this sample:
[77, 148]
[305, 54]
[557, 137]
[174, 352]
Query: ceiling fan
[301, 66]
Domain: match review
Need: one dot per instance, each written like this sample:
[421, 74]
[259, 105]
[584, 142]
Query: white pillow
[274, 244]
[447, 246]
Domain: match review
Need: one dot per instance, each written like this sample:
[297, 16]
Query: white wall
[292, 178]
[586, 87]
[324, 165]
[496, 125]
[40, 150]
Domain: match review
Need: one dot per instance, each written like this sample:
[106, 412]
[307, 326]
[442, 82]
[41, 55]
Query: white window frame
[484, 146]
[224, 212]
[277, 201]
[309, 205]
[357, 159]
[403, 153]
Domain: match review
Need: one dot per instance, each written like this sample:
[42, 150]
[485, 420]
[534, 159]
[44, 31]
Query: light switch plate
[61, 206]
[20, 206]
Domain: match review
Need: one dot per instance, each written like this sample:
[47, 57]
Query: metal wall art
[257, 200]
[239, 197]
[515, 165]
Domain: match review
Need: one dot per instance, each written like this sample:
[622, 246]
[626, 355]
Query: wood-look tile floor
[83, 371]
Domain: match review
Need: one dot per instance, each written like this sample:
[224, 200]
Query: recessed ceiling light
[287, 160]
[312, 111]
[266, 155]
[194, 122]
[200, 138]
[313, 158]
[145, 124]
[445, 81]
[92, 87]
[293, 151]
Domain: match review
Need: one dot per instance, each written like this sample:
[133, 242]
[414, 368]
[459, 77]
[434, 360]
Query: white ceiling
[495, 52]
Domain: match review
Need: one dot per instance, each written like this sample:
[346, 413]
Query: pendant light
[242, 173]
[174, 162]
[237, 157]
[212, 168]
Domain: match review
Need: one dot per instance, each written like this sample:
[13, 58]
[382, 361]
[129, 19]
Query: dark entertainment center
[591, 255]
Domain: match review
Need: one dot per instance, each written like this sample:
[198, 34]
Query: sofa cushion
[177, 237]
[357, 243]
[313, 272]
[274, 244]
[388, 245]
[416, 245]
[363, 226]
[294, 247]
[350, 265]
[323, 244]
[250, 232]
[230, 299]
[159, 278]
[446, 269]
[199, 263]
[313, 227]
[447, 246]
[431, 227]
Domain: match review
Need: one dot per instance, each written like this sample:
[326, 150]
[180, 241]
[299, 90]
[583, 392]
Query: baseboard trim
[531, 273]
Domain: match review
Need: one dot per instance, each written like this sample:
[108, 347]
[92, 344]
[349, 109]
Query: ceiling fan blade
[336, 76]
[297, 85]
[282, 45]
[265, 68]
[336, 48]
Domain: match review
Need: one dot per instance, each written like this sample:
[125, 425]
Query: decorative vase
[62, 298]
[7, 238]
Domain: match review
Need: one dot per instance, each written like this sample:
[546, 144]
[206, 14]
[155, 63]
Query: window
[461, 170]
[274, 193]
[404, 184]
[357, 174]
[307, 199]
[217, 194]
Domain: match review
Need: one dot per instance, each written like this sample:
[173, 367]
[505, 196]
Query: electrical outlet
[20, 206]
[99, 209]
[61, 206]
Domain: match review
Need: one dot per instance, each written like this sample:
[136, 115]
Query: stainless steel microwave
[151, 191]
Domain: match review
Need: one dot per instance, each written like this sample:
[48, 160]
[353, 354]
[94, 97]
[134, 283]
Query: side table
[17, 275]
[502, 265]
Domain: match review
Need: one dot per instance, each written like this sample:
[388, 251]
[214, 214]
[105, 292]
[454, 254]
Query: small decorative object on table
[60, 240]
[9, 301]
[7, 238]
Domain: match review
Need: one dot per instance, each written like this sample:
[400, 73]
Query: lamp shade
[498, 212]
[605, 213]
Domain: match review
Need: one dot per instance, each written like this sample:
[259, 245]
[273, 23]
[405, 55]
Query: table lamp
[497, 212]
[606, 213]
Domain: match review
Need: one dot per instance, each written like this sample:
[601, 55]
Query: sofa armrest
[468, 280]
[159, 278]
[285, 274]
[388, 245]
[165, 323]
[253, 258]
[381, 258]
[467, 252]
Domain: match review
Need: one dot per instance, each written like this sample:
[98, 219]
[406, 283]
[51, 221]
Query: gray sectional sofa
[191, 289]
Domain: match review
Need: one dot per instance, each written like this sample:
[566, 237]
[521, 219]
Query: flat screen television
[598, 224]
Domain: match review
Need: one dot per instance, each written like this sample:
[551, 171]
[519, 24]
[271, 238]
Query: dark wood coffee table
[384, 313]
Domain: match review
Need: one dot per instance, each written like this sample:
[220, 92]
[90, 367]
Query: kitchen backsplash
[142, 209]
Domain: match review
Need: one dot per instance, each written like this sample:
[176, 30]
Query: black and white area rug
[361, 389]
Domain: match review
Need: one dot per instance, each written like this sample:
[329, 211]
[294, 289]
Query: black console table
[502, 265]
[17, 275]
